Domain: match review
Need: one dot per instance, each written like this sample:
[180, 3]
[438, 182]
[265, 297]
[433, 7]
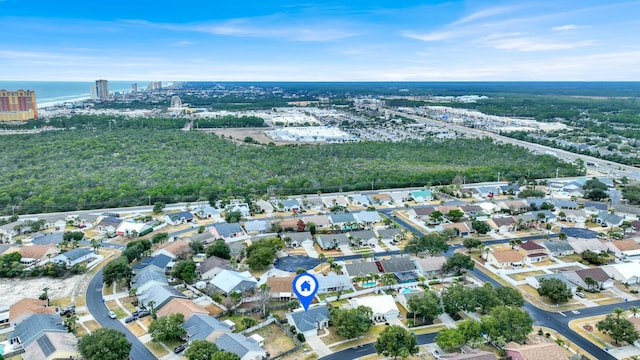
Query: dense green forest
[81, 169]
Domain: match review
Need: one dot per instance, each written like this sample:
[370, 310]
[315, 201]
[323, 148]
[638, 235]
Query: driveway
[318, 346]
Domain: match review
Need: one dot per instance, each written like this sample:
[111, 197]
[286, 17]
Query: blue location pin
[305, 287]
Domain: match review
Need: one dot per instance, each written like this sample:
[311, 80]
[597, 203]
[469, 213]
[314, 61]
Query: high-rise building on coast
[102, 89]
[19, 105]
[134, 87]
[154, 85]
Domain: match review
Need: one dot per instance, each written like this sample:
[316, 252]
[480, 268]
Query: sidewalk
[318, 346]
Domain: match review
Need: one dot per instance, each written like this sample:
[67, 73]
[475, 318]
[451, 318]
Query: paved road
[356, 352]
[99, 311]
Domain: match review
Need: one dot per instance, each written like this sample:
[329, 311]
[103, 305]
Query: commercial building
[19, 105]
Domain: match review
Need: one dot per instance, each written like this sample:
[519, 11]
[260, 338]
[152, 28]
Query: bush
[292, 329]
[301, 337]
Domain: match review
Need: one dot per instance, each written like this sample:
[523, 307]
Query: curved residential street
[96, 306]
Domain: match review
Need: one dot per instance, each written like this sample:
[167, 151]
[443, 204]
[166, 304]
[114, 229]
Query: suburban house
[320, 221]
[342, 221]
[565, 204]
[240, 345]
[541, 351]
[506, 259]
[575, 216]
[238, 206]
[514, 206]
[108, 224]
[333, 282]
[29, 306]
[388, 235]
[487, 191]
[177, 249]
[431, 265]
[280, 288]
[472, 210]
[512, 189]
[582, 245]
[292, 224]
[53, 238]
[503, 224]
[206, 212]
[229, 281]
[358, 200]
[468, 353]
[606, 218]
[580, 278]
[203, 327]
[313, 203]
[289, 205]
[558, 247]
[548, 216]
[594, 207]
[149, 276]
[160, 295]
[361, 268]
[535, 252]
[461, 228]
[332, 241]
[535, 281]
[129, 228]
[255, 227]
[297, 239]
[211, 267]
[265, 206]
[177, 218]
[186, 307]
[379, 199]
[309, 322]
[227, 231]
[421, 196]
[331, 201]
[623, 272]
[75, 256]
[627, 249]
[383, 307]
[421, 213]
[36, 253]
[42, 336]
[160, 260]
[367, 217]
[364, 238]
[396, 265]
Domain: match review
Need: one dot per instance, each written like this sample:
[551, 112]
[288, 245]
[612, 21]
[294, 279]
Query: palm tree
[71, 321]
[562, 215]
[562, 236]
[95, 244]
[634, 310]
[133, 292]
[618, 312]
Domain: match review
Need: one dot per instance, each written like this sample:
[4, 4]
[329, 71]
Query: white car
[112, 315]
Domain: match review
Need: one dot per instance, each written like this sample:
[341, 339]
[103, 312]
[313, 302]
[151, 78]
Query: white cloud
[183, 43]
[433, 36]
[526, 44]
[565, 27]
[490, 12]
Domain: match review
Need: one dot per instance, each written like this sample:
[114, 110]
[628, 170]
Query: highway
[97, 308]
[605, 166]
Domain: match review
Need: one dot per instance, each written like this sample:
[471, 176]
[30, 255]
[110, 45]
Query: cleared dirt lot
[238, 134]
[13, 290]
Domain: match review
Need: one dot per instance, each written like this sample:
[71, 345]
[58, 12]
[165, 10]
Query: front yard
[275, 340]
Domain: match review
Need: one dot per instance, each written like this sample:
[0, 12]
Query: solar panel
[45, 344]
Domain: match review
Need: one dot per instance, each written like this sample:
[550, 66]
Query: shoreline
[61, 100]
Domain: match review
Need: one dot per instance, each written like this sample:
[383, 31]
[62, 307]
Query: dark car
[130, 319]
[135, 313]
[143, 313]
[180, 348]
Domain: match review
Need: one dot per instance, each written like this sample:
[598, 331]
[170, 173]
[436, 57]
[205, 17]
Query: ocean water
[55, 92]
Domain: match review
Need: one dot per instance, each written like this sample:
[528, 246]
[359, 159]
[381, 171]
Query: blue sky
[272, 40]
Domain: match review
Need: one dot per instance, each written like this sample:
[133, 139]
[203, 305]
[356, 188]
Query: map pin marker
[305, 286]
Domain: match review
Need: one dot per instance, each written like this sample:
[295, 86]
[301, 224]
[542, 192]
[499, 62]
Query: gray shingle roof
[364, 235]
[200, 326]
[308, 320]
[557, 246]
[160, 295]
[388, 233]
[52, 238]
[397, 265]
[179, 215]
[76, 253]
[237, 344]
[580, 233]
[149, 273]
[341, 218]
[297, 236]
[227, 229]
[34, 326]
[361, 268]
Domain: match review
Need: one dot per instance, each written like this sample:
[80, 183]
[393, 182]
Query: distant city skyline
[384, 40]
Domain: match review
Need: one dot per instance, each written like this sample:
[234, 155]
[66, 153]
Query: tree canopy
[618, 327]
[168, 327]
[507, 322]
[351, 323]
[426, 304]
[262, 253]
[396, 341]
[458, 263]
[105, 344]
[555, 290]
[433, 243]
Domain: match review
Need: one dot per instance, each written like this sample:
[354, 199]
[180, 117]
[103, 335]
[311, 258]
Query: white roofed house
[627, 249]
[245, 348]
[626, 273]
[206, 212]
[128, 228]
[255, 227]
[558, 247]
[383, 307]
[297, 239]
[364, 238]
[368, 217]
[228, 231]
[431, 265]
[320, 221]
[575, 216]
[333, 282]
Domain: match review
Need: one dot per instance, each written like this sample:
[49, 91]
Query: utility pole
[556, 173]
[498, 176]
[149, 200]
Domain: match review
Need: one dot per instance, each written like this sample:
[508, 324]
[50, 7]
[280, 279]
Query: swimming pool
[405, 291]
[368, 284]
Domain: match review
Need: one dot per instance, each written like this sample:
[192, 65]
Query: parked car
[143, 313]
[180, 348]
[130, 319]
[135, 313]
[112, 315]
[580, 295]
